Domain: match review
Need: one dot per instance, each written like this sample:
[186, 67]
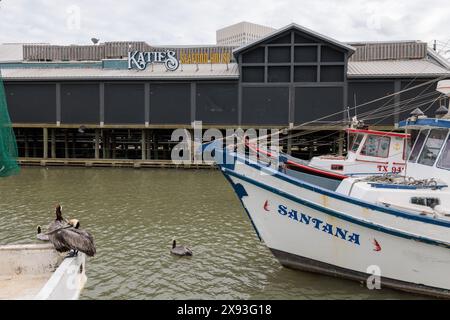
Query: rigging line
[407, 103]
[394, 104]
[402, 102]
[424, 103]
[383, 117]
[402, 109]
[358, 106]
[409, 83]
[345, 110]
[385, 97]
[393, 109]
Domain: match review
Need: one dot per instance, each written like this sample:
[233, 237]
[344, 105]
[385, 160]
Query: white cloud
[195, 21]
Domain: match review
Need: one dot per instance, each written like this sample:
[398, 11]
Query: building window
[279, 74]
[305, 74]
[279, 54]
[332, 73]
[253, 74]
[254, 56]
[329, 54]
[305, 54]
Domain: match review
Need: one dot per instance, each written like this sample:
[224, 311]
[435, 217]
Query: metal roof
[153, 72]
[301, 29]
[401, 50]
[395, 69]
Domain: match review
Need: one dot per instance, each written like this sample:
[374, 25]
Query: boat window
[418, 145]
[444, 160]
[406, 148]
[432, 147]
[356, 142]
[376, 146]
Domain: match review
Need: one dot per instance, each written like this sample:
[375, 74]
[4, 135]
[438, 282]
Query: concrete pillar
[97, 143]
[74, 139]
[53, 143]
[143, 144]
[66, 144]
[149, 154]
[341, 142]
[311, 150]
[34, 146]
[26, 144]
[45, 143]
[155, 147]
[113, 145]
[289, 145]
[105, 146]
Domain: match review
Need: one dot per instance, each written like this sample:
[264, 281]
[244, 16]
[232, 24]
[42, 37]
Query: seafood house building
[117, 102]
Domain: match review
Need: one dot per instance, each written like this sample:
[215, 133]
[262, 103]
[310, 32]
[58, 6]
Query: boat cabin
[430, 154]
[369, 152]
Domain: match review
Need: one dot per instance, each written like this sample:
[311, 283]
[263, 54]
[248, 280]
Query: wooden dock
[115, 163]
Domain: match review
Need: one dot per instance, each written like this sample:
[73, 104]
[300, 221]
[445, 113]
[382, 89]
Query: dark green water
[134, 214]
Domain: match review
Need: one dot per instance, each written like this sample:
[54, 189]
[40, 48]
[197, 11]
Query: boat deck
[25, 269]
[22, 287]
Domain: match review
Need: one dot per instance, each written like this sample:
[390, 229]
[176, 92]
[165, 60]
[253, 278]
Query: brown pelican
[67, 236]
[180, 250]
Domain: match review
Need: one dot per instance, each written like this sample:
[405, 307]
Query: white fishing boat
[370, 152]
[38, 272]
[395, 227]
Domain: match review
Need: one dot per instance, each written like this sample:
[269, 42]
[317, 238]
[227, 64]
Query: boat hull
[292, 261]
[313, 231]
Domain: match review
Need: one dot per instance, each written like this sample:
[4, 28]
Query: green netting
[8, 145]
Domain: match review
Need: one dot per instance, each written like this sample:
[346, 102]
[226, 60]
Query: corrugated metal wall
[118, 50]
[389, 51]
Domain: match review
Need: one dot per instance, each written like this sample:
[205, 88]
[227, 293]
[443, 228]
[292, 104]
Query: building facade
[241, 33]
[96, 102]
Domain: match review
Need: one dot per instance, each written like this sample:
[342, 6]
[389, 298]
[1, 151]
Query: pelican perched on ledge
[67, 236]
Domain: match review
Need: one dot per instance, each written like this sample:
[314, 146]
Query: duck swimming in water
[180, 250]
[67, 236]
[41, 236]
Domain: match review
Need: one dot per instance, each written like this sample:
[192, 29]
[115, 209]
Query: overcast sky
[166, 22]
